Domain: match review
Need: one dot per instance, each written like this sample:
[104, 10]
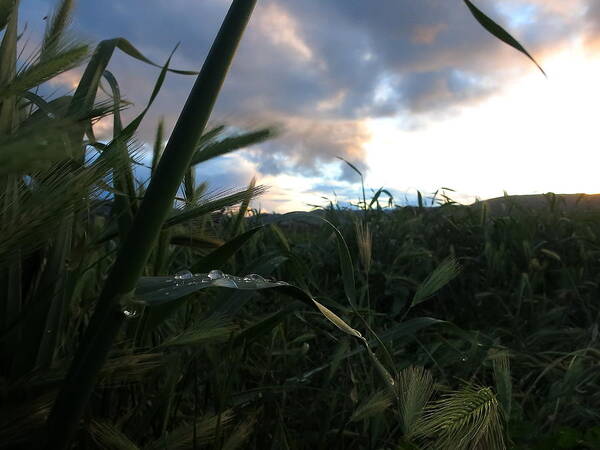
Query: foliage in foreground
[486, 326]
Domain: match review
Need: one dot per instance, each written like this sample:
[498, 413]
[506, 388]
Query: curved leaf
[499, 32]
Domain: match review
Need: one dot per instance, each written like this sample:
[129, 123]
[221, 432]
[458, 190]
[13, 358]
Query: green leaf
[337, 321]
[553, 255]
[124, 208]
[209, 147]
[380, 191]
[220, 256]
[346, 265]
[499, 32]
[230, 303]
[239, 219]
[127, 132]
[402, 330]
[501, 364]
[212, 329]
[34, 147]
[207, 206]
[200, 432]
[107, 435]
[352, 166]
[264, 326]
[6, 7]
[127, 47]
[158, 144]
[152, 291]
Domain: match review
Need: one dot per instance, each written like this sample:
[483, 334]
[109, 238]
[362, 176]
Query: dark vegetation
[390, 328]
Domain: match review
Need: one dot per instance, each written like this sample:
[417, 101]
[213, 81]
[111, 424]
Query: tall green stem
[131, 259]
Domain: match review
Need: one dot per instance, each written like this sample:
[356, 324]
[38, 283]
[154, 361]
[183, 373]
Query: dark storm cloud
[319, 68]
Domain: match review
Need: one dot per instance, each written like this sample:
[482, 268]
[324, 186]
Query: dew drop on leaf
[254, 277]
[183, 275]
[215, 274]
[130, 313]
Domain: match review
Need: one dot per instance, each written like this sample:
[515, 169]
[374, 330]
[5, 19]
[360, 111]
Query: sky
[412, 92]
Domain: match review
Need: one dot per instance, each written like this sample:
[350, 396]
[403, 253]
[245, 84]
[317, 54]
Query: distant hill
[565, 202]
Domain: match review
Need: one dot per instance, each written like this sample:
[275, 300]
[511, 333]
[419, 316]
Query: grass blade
[210, 148]
[158, 145]
[499, 32]
[107, 435]
[220, 256]
[237, 224]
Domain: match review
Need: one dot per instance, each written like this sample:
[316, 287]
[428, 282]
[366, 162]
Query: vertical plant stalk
[239, 220]
[158, 143]
[10, 278]
[108, 317]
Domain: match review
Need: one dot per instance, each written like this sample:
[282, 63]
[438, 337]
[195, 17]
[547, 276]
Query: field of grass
[136, 314]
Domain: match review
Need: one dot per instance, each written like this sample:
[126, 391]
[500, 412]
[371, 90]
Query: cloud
[321, 69]
[592, 29]
[306, 144]
[427, 34]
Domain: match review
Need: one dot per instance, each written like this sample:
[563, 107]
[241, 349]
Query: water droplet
[215, 275]
[254, 277]
[183, 275]
[130, 313]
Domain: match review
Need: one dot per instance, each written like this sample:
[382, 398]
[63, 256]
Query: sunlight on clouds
[282, 29]
[103, 128]
[427, 34]
[332, 102]
[288, 193]
[538, 135]
[565, 9]
[69, 79]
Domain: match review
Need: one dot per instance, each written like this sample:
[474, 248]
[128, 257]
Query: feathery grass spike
[56, 28]
[464, 419]
[503, 380]
[376, 404]
[415, 386]
[442, 275]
